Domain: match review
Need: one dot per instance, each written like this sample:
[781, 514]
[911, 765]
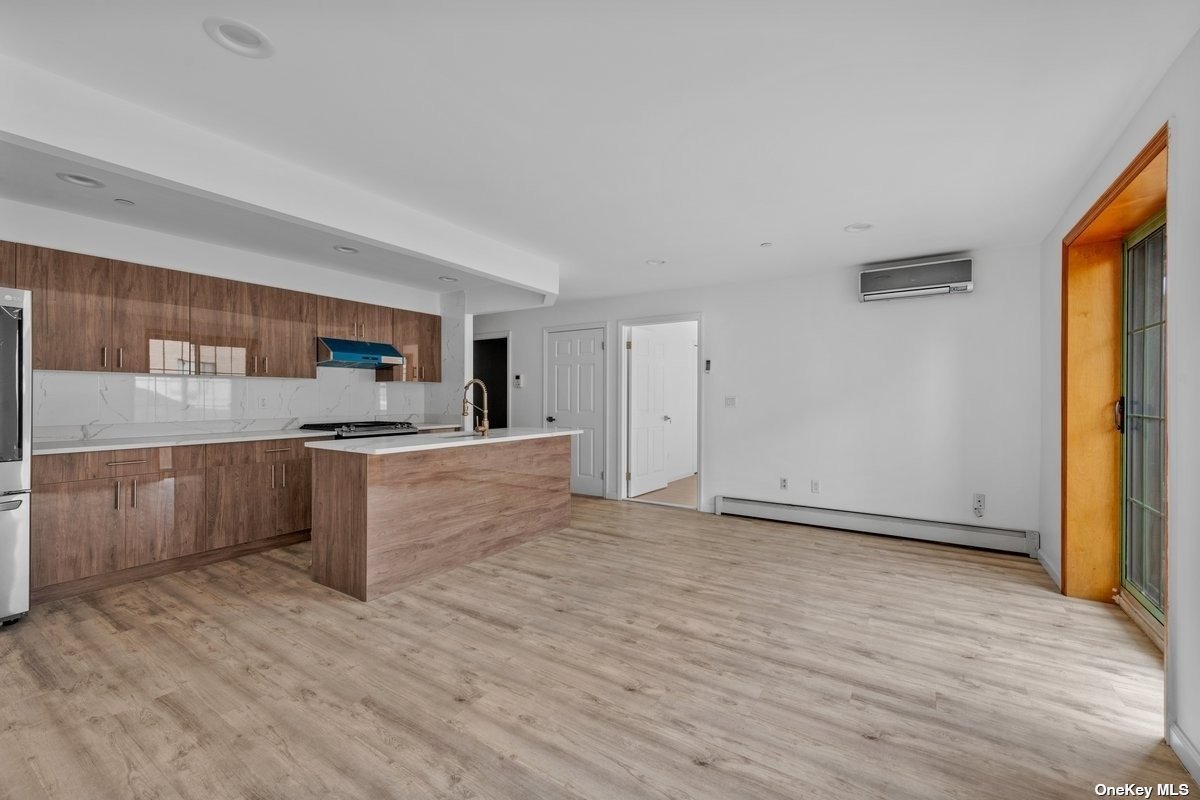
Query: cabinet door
[77, 530]
[337, 318]
[375, 323]
[224, 331]
[288, 323]
[72, 308]
[165, 516]
[419, 337]
[240, 504]
[8, 264]
[293, 495]
[150, 320]
[431, 348]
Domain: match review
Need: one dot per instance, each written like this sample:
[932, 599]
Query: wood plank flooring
[678, 493]
[642, 652]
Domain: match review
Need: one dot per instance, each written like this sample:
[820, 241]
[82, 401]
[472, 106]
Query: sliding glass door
[1143, 551]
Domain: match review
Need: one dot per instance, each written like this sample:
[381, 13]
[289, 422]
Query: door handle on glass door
[1119, 415]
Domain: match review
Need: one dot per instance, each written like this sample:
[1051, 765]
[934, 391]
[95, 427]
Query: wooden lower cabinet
[165, 517]
[181, 501]
[77, 530]
[293, 495]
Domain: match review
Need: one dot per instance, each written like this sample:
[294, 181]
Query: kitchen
[184, 493]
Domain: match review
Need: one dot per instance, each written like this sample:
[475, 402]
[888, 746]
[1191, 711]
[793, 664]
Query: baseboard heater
[1004, 539]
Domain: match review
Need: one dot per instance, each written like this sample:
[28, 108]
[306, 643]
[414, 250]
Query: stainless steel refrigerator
[16, 358]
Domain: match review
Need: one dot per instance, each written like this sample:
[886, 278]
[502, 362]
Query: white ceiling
[29, 176]
[606, 133]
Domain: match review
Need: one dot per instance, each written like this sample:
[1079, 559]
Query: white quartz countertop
[386, 445]
[169, 440]
[182, 439]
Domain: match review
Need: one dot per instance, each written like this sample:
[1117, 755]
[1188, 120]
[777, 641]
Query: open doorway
[661, 419]
[490, 359]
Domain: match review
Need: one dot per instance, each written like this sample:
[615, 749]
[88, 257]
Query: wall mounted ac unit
[916, 279]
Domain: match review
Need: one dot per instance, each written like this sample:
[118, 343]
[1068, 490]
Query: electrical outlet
[730, 401]
[783, 483]
[978, 503]
[814, 487]
[262, 402]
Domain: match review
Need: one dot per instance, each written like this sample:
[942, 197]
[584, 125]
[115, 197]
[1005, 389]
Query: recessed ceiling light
[80, 180]
[655, 262]
[858, 227]
[123, 201]
[766, 244]
[345, 248]
[447, 279]
[238, 37]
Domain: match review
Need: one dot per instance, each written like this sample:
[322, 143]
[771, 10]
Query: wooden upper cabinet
[72, 308]
[151, 330]
[419, 338]
[224, 331]
[8, 264]
[288, 327]
[337, 318]
[347, 319]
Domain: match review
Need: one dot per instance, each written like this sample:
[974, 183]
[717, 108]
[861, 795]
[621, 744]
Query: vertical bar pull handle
[133, 504]
[120, 358]
[272, 476]
[117, 496]
[266, 365]
[284, 475]
[1119, 415]
[104, 356]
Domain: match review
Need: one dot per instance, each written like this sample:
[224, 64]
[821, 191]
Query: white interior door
[647, 411]
[575, 399]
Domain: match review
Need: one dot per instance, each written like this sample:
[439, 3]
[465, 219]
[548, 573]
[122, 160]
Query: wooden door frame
[1072, 584]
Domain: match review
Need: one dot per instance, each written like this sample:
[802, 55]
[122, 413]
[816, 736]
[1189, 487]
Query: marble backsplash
[71, 406]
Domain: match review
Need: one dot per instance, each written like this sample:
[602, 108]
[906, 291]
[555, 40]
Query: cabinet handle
[122, 463]
[133, 503]
[272, 476]
[120, 358]
[278, 450]
[266, 365]
[284, 476]
[117, 496]
[104, 356]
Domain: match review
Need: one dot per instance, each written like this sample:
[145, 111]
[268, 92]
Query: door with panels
[574, 384]
[647, 447]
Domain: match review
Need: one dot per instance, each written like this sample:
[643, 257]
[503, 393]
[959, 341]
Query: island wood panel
[151, 320]
[72, 308]
[339, 522]
[432, 510]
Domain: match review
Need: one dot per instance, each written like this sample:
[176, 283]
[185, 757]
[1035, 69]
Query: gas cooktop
[353, 430]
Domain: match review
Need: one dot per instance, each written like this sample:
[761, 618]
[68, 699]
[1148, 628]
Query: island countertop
[410, 443]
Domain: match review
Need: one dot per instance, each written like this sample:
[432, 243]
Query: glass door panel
[1144, 530]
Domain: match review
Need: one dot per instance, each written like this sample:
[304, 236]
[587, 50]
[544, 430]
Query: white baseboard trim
[1187, 752]
[1051, 569]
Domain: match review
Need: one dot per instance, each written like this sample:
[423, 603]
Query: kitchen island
[391, 510]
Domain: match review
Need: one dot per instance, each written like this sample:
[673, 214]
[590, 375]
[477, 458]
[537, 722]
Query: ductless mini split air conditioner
[917, 278]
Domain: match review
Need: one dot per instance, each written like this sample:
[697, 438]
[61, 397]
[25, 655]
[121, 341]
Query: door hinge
[628, 477]
[601, 344]
[601, 474]
[629, 345]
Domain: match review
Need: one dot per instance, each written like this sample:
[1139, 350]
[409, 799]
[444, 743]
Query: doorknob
[550, 419]
[666, 418]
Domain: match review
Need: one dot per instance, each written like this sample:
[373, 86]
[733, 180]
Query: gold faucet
[482, 427]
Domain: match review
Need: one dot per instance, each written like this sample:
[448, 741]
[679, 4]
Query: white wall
[904, 407]
[1176, 100]
[679, 342]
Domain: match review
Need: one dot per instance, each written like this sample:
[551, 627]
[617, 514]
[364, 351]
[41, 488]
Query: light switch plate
[730, 401]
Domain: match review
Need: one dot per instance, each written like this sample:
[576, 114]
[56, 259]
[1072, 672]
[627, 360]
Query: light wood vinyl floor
[643, 652]
[679, 493]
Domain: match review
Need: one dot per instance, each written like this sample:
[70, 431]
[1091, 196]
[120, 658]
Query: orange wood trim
[1142, 160]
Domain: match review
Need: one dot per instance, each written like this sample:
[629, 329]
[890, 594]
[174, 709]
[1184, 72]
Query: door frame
[623, 333]
[508, 372]
[603, 437]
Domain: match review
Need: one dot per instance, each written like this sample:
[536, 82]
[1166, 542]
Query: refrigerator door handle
[10, 505]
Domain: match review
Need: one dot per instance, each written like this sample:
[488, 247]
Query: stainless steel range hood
[354, 354]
